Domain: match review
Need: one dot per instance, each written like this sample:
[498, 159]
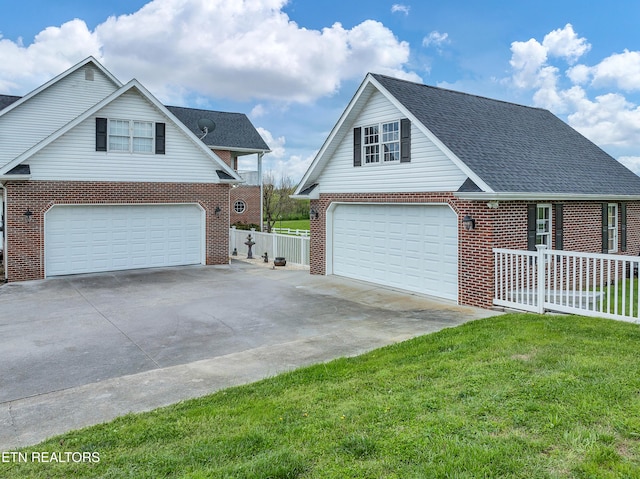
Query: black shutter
[532, 213]
[605, 228]
[357, 146]
[160, 129]
[623, 226]
[558, 226]
[405, 140]
[101, 134]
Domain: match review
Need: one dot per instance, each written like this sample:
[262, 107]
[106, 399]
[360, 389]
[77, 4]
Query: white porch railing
[590, 284]
[294, 248]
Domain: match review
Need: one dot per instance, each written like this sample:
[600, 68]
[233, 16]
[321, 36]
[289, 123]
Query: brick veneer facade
[25, 240]
[502, 227]
[250, 195]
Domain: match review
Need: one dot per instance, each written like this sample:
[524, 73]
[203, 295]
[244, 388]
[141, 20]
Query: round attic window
[239, 206]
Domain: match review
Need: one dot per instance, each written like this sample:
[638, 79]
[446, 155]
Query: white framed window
[131, 136]
[381, 143]
[239, 206]
[391, 141]
[612, 225]
[543, 225]
[371, 144]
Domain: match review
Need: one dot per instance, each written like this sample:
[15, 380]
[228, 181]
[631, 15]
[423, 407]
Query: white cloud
[240, 50]
[579, 74]
[566, 44]
[527, 59]
[608, 119]
[435, 38]
[293, 167]
[53, 50]
[257, 111]
[275, 144]
[396, 7]
[621, 70]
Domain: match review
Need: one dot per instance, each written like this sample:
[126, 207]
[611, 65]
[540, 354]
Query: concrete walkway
[259, 322]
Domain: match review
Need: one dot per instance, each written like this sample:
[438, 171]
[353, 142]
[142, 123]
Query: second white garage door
[93, 238]
[411, 247]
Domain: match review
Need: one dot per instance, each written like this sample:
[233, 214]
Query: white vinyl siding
[73, 156]
[50, 110]
[429, 170]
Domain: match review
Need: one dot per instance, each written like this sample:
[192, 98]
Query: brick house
[416, 185]
[231, 136]
[98, 175]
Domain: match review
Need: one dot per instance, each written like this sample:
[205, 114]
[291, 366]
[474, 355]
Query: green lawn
[514, 396]
[624, 290]
[293, 224]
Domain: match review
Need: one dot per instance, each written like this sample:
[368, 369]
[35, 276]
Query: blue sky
[293, 66]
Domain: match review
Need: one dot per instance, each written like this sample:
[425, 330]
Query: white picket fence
[290, 231]
[295, 249]
[603, 285]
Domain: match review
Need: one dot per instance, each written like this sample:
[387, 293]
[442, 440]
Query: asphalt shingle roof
[514, 148]
[233, 130]
[6, 100]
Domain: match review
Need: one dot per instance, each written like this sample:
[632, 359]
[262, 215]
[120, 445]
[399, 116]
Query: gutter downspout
[260, 155]
[4, 230]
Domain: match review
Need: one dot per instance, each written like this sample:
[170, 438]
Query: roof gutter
[537, 196]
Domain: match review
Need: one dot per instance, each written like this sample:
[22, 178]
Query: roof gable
[89, 60]
[502, 147]
[133, 85]
[28, 120]
[514, 148]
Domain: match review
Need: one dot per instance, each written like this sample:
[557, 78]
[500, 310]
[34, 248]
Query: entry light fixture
[28, 214]
[217, 211]
[468, 222]
[313, 214]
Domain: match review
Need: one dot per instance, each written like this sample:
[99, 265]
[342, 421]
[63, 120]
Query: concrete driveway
[84, 349]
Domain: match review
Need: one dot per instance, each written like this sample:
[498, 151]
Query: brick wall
[251, 197]
[25, 240]
[227, 158]
[502, 227]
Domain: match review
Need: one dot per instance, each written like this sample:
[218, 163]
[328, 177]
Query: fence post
[542, 280]
[275, 245]
[232, 235]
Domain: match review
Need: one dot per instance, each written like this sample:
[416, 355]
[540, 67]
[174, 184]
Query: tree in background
[277, 202]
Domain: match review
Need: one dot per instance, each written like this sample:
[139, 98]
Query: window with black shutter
[101, 134]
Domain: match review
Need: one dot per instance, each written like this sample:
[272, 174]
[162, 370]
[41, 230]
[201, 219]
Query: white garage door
[85, 239]
[412, 247]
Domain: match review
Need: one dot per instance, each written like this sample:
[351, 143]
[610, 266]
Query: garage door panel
[412, 247]
[91, 238]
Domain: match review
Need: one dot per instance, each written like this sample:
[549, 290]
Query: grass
[293, 224]
[623, 291]
[514, 396]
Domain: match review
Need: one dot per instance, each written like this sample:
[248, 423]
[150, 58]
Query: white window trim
[131, 136]
[549, 233]
[612, 233]
[244, 206]
[380, 144]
